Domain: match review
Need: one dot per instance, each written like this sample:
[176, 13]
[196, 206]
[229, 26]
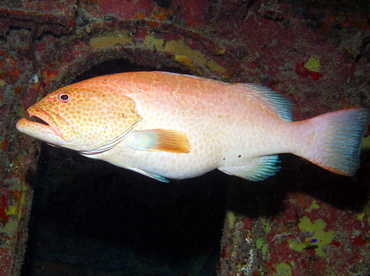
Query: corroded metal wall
[316, 54]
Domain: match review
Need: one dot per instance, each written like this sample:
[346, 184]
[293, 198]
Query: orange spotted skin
[209, 112]
[170, 125]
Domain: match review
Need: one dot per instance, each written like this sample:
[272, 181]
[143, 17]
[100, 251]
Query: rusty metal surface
[58, 18]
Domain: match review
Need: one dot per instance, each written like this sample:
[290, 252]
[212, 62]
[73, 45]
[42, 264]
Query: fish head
[87, 118]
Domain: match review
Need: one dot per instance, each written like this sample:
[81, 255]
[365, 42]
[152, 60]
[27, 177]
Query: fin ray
[277, 103]
[337, 145]
[257, 169]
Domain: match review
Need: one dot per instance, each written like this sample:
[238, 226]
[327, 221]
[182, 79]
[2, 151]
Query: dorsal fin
[277, 103]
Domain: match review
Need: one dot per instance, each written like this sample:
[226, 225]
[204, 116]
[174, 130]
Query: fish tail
[335, 143]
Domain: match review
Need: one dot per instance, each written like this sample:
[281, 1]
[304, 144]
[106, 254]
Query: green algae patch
[313, 64]
[284, 269]
[181, 49]
[260, 245]
[314, 205]
[230, 219]
[10, 228]
[366, 143]
[110, 40]
[318, 239]
[266, 224]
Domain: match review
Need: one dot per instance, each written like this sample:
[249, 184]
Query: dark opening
[92, 218]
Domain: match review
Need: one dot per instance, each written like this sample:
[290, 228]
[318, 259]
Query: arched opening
[89, 217]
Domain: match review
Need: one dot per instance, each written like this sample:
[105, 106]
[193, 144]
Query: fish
[174, 126]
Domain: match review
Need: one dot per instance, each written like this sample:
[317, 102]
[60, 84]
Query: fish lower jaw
[34, 129]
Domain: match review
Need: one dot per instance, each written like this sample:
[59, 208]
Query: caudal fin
[336, 141]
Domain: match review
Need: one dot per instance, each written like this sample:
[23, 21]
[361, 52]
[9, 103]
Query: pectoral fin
[159, 140]
[257, 169]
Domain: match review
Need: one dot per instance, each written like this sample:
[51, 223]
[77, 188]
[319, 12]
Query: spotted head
[89, 117]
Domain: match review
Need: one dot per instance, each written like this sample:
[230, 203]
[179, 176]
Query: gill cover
[113, 116]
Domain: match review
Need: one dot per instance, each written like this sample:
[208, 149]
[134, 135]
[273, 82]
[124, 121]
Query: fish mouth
[39, 121]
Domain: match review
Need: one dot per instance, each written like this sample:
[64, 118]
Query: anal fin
[257, 169]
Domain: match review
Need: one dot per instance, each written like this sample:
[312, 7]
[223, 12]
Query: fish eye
[63, 97]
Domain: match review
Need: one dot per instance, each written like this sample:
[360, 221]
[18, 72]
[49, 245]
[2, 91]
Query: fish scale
[167, 125]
